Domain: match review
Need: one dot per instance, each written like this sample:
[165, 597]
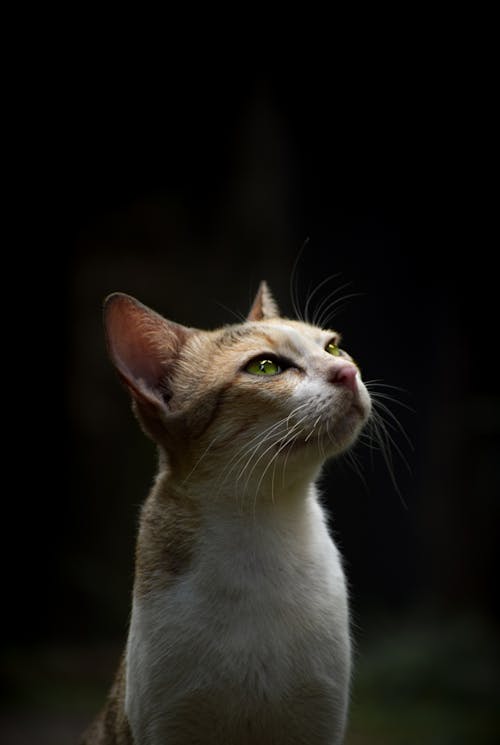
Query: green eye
[263, 367]
[332, 348]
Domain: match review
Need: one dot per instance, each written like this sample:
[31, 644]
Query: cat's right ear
[264, 306]
[143, 347]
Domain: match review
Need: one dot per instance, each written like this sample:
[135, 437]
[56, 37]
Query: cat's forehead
[278, 332]
[296, 332]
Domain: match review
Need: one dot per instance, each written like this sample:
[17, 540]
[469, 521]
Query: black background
[187, 197]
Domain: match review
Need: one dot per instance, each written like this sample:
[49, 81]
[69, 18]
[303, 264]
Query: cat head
[251, 400]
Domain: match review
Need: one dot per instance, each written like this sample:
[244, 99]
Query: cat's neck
[189, 528]
[241, 495]
[241, 542]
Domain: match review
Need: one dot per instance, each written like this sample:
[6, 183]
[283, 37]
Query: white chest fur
[251, 645]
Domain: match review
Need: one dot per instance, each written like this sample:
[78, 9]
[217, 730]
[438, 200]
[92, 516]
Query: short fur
[239, 630]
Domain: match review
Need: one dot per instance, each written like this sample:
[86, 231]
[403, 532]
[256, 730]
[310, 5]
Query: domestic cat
[239, 633]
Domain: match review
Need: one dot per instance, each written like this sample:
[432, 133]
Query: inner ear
[143, 347]
[264, 306]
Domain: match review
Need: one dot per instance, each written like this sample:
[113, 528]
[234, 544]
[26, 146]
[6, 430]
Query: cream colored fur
[239, 632]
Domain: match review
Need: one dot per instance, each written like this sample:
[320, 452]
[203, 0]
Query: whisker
[369, 440]
[353, 461]
[328, 313]
[273, 459]
[320, 443]
[263, 435]
[201, 458]
[286, 461]
[253, 455]
[318, 312]
[379, 382]
[394, 423]
[290, 441]
[294, 283]
[314, 292]
[268, 449]
[376, 395]
[241, 318]
[313, 428]
[250, 448]
[386, 440]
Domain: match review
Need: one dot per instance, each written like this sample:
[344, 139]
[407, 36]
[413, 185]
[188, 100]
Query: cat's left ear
[264, 306]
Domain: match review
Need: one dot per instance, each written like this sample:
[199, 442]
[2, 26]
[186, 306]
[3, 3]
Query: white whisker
[270, 448]
[312, 430]
[328, 312]
[201, 458]
[318, 313]
[294, 284]
[314, 292]
[274, 457]
[393, 423]
[353, 461]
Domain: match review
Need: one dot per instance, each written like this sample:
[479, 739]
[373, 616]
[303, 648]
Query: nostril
[344, 375]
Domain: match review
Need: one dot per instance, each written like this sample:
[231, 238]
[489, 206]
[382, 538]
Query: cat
[239, 633]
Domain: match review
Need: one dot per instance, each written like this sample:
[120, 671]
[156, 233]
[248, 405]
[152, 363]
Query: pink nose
[344, 374]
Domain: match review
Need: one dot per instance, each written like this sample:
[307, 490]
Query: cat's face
[254, 401]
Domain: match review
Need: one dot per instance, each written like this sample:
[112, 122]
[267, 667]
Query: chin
[344, 431]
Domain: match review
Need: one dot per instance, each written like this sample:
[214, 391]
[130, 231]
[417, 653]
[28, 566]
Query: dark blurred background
[187, 197]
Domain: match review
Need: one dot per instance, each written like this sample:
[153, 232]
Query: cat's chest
[258, 611]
